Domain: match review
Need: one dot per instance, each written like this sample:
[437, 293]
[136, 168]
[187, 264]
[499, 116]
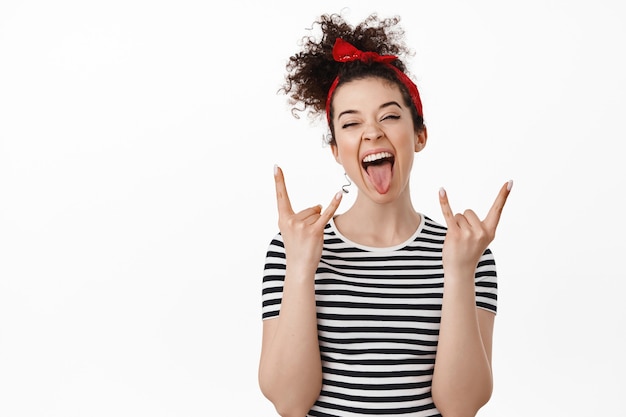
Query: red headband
[345, 52]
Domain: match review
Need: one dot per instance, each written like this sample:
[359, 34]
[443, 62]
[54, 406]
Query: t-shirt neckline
[399, 246]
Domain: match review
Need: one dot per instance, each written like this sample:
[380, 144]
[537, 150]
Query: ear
[420, 139]
[335, 150]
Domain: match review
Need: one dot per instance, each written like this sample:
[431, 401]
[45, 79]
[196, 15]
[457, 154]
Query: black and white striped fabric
[378, 312]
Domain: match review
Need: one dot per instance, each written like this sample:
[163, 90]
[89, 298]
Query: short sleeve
[273, 278]
[486, 283]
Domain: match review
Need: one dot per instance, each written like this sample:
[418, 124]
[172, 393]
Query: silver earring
[344, 188]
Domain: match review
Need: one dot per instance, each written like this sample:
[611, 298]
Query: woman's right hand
[302, 232]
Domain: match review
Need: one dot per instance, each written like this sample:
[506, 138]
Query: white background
[137, 140]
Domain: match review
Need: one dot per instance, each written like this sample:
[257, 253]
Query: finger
[493, 217]
[282, 198]
[313, 212]
[472, 218]
[445, 207]
[331, 209]
[462, 222]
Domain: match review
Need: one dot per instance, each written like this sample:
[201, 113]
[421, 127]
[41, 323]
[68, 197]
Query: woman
[379, 310]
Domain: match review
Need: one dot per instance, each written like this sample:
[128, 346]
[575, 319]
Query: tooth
[377, 156]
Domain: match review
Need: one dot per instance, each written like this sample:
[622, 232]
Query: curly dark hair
[311, 72]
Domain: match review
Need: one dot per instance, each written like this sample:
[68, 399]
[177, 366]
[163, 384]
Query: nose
[372, 132]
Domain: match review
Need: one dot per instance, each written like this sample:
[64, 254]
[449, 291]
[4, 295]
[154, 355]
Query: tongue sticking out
[380, 175]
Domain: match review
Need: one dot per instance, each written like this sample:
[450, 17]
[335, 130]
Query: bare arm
[290, 369]
[462, 379]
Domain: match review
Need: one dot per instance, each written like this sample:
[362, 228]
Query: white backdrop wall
[137, 140]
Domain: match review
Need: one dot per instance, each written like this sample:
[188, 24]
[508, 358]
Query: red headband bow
[346, 52]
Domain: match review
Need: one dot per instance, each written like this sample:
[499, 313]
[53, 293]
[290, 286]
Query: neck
[379, 224]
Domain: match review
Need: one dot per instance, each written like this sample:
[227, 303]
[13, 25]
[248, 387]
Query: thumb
[331, 209]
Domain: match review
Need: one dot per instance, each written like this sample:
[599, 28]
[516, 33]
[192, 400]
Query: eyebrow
[382, 106]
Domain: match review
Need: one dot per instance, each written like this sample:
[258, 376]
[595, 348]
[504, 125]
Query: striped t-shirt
[378, 314]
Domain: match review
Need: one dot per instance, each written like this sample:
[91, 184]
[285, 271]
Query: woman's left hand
[468, 237]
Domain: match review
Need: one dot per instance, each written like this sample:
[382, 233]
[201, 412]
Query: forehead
[365, 93]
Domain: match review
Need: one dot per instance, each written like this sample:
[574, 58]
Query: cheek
[346, 151]
[347, 159]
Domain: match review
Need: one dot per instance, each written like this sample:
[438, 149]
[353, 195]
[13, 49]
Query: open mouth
[379, 168]
[377, 159]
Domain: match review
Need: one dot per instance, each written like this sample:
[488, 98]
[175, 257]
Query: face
[375, 137]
